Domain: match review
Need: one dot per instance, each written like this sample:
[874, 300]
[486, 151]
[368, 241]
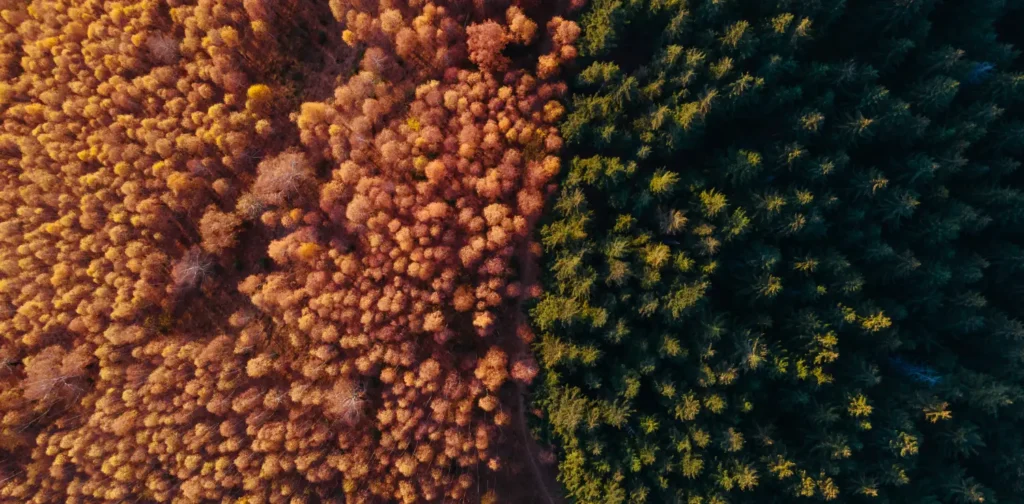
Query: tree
[283, 178]
[218, 230]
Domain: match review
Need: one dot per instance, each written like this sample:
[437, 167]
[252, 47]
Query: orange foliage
[219, 284]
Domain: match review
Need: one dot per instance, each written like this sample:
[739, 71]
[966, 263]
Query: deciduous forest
[511, 251]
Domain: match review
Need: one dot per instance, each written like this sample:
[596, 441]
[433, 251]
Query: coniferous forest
[511, 251]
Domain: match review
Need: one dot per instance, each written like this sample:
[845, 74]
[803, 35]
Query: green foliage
[784, 263]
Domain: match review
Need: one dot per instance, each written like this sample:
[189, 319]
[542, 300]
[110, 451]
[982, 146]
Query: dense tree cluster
[785, 261]
[397, 276]
[125, 127]
[259, 251]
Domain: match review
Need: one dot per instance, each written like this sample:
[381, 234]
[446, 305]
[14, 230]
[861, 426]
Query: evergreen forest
[785, 260]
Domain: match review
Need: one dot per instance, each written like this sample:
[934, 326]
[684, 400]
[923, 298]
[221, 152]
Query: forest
[511, 251]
